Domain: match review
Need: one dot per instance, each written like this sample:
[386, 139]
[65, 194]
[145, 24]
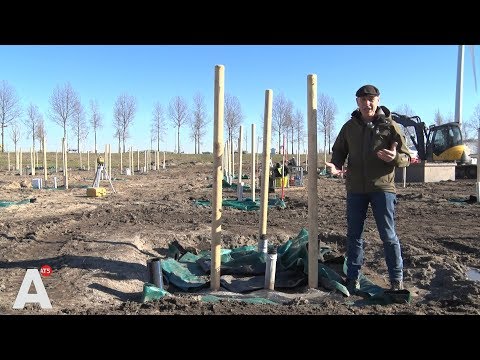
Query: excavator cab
[445, 143]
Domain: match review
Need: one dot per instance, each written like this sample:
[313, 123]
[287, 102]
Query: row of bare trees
[67, 111]
[291, 122]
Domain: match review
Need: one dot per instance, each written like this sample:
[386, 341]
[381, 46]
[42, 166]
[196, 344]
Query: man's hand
[388, 155]
[333, 169]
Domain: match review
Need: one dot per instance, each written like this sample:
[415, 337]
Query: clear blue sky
[420, 76]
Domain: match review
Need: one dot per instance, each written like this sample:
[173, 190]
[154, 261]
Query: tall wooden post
[32, 160]
[312, 182]
[252, 182]
[20, 161]
[45, 167]
[267, 138]
[219, 90]
[240, 165]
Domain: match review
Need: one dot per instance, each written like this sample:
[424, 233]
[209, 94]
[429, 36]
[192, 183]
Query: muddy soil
[98, 247]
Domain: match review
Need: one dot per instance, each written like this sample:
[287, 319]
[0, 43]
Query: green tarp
[5, 203]
[246, 204]
[243, 270]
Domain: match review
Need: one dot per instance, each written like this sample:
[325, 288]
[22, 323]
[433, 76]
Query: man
[280, 171]
[374, 145]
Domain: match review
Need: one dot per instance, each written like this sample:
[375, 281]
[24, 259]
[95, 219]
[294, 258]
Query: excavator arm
[420, 132]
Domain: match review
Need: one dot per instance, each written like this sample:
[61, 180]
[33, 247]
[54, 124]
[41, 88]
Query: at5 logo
[41, 297]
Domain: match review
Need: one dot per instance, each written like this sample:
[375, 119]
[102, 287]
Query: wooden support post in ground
[65, 163]
[109, 162]
[239, 183]
[217, 177]
[312, 182]
[45, 167]
[121, 162]
[478, 166]
[138, 161]
[32, 160]
[252, 182]
[130, 160]
[20, 161]
[267, 137]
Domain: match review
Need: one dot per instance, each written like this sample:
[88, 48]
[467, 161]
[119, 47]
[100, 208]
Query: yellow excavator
[439, 143]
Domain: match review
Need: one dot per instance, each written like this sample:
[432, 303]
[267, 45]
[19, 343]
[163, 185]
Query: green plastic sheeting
[246, 204]
[4, 203]
[243, 269]
[294, 255]
[471, 200]
[152, 292]
[250, 300]
[184, 275]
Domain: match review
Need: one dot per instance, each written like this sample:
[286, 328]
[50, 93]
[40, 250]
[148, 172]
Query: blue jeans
[383, 208]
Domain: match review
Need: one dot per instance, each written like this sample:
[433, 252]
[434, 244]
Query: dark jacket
[277, 171]
[360, 143]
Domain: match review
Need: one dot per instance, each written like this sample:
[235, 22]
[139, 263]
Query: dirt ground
[98, 247]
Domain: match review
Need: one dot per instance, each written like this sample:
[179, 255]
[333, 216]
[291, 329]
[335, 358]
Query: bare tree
[31, 121]
[95, 120]
[199, 120]
[298, 128]
[281, 113]
[118, 135]
[438, 118]
[408, 130]
[233, 116]
[153, 137]
[124, 113]
[158, 124]
[41, 132]
[64, 103]
[472, 125]
[326, 111]
[10, 109]
[404, 109]
[288, 126]
[15, 134]
[79, 125]
[178, 112]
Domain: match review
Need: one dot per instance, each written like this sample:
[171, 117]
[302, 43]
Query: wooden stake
[45, 167]
[252, 182]
[267, 138]
[312, 182]
[217, 177]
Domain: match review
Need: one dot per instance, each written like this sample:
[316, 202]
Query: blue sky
[420, 76]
